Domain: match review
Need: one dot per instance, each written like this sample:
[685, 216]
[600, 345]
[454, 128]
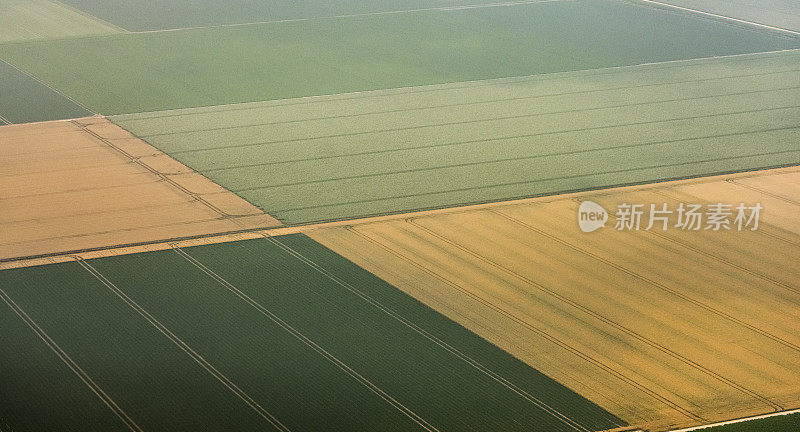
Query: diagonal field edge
[429, 336]
[53, 89]
[539, 331]
[455, 85]
[723, 17]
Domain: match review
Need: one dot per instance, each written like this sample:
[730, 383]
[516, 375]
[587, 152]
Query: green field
[128, 73]
[38, 390]
[777, 13]
[23, 99]
[785, 423]
[369, 153]
[138, 15]
[391, 347]
[43, 19]
[151, 379]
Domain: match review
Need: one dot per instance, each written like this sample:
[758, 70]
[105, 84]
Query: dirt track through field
[662, 328]
[87, 183]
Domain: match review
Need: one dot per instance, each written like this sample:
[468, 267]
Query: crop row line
[647, 280]
[524, 323]
[73, 366]
[513, 137]
[630, 332]
[308, 342]
[566, 177]
[429, 336]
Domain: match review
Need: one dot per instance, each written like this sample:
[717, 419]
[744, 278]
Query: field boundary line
[737, 20]
[90, 16]
[489, 101]
[649, 281]
[408, 412]
[463, 84]
[740, 420]
[599, 316]
[183, 346]
[542, 333]
[5, 120]
[164, 177]
[427, 335]
[55, 90]
[73, 366]
[356, 15]
[301, 227]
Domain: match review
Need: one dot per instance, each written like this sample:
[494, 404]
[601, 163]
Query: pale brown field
[87, 183]
[662, 328]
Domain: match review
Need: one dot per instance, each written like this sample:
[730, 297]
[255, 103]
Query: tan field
[662, 328]
[87, 183]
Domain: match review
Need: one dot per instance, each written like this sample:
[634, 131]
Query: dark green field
[786, 423]
[23, 99]
[126, 73]
[318, 350]
[38, 391]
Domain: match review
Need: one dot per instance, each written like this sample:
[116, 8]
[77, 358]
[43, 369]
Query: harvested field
[302, 336]
[614, 315]
[87, 184]
[129, 73]
[354, 155]
[42, 19]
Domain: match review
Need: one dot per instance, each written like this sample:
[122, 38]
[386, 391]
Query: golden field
[86, 183]
[662, 328]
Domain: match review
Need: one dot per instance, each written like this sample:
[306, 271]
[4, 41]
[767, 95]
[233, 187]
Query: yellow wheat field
[662, 328]
[87, 183]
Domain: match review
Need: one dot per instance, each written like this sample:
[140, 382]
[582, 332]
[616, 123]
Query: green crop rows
[376, 152]
[384, 337]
